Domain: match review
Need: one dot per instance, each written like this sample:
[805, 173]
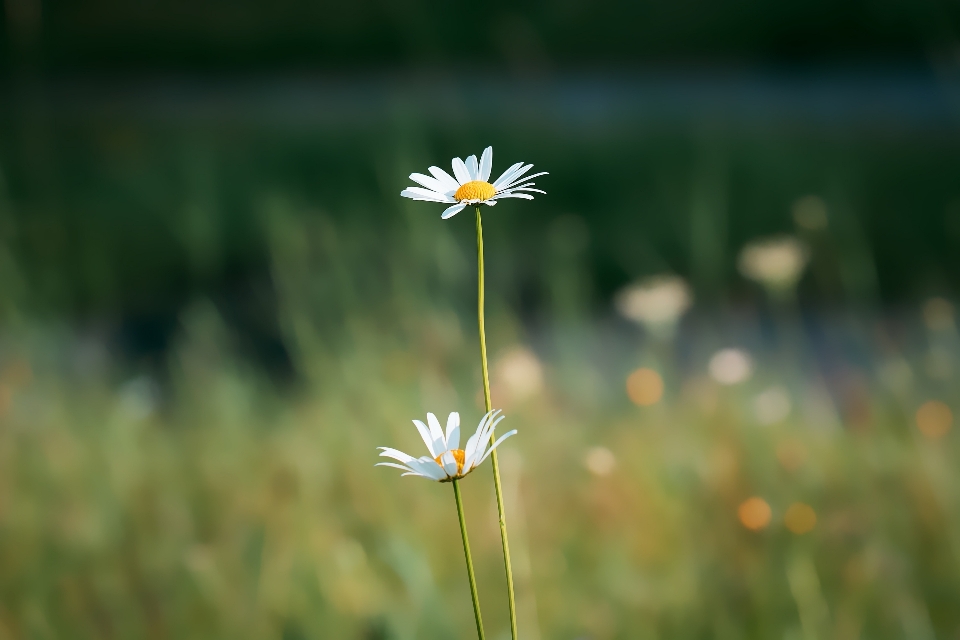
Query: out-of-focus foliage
[803, 486]
[214, 306]
[206, 504]
[136, 204]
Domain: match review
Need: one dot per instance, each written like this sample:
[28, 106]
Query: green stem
[493, 456]
[466, 553]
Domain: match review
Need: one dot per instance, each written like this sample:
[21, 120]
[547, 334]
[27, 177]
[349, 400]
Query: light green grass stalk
[466, 552]
[493, 456]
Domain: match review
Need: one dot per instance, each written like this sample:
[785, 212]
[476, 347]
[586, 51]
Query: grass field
[217, 481]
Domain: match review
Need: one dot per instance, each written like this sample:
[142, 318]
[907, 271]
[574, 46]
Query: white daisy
[447, 461]
[471, 184]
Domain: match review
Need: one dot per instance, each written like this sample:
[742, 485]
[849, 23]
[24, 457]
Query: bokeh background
[727, 335]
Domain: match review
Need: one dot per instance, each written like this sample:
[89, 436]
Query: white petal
[495, 445]
[526, 189]
[431, 183]
[472, 442]
[429, 468]
[504, 180]
[476, 442]
[486, 163]
[422, 192]
[492, 424]
[419, 193]
[469, 449]
[406, 194]
[473, 167]
[521, 178]
[513, 195]
[460, 171]
[449, 212]
[489, 202]
[436, 432]
[395, 454]
[485, 437]
[520, 183]
[507, 173]
[453, 431]
[395, 466]
[449, 184]
[427, 438]
[526, 181]
[449, 464]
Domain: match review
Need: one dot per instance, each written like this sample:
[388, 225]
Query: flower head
[655, 302]
[447, 461]
[776, 263]
[471, 186]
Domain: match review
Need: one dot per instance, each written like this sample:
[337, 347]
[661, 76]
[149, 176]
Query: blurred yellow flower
[791, 454]
[645, 387]
[934, 419]
[800, 518]
[470, 184]
[447, 461]
[754, 513]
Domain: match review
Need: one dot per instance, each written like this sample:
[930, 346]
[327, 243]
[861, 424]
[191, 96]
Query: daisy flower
[471, 186]
[447, 461]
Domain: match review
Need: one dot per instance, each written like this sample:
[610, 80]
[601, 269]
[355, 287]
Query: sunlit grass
[650, 495]
[745, 461]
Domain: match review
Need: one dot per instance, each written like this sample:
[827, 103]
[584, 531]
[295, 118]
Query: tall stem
[466, 553]
[493, 456]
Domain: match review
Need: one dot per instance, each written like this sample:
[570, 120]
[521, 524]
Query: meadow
[209, 324]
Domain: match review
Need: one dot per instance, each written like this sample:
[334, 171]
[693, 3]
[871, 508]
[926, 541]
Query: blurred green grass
[194, 492]
[222, 508]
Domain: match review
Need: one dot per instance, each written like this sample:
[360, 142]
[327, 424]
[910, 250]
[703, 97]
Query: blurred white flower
[447, 461]
[776, 263]
[520, 372]
[730, 366]
[655, 302]
[772, 405]
[600, 461]
[470, 185]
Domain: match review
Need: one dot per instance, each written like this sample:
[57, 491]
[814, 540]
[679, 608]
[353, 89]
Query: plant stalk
[466, 553]
[493, 456]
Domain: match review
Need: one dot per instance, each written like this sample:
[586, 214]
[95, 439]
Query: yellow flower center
[476, 190]
[459, 455]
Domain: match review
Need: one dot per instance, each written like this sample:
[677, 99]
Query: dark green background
[138, 141]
